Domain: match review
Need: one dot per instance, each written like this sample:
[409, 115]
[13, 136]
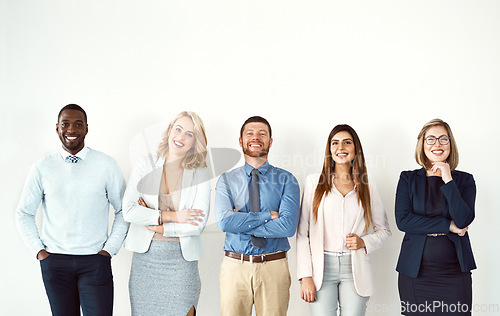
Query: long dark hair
[358, 171]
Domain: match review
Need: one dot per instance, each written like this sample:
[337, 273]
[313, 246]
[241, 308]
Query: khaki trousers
[243, 284]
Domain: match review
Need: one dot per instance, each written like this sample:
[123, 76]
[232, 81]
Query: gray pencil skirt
[162, 282]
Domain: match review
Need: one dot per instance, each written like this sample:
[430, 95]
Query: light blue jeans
[338, 290]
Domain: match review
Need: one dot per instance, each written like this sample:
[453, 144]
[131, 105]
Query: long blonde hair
[196, 157]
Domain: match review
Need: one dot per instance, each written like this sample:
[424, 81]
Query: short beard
[260, 154]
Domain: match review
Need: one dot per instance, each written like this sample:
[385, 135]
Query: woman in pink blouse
[342, 221]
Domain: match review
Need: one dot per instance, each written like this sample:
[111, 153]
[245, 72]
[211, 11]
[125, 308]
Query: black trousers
[72, 281]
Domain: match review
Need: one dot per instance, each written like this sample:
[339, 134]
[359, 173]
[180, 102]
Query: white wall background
[385, 67]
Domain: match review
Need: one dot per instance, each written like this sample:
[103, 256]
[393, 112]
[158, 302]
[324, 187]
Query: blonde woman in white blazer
[334, 239]
[167, 202]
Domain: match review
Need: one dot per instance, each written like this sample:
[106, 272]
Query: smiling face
[72, 128]
[255, 140]
[436, 152]
[182, 137]
[342, 148]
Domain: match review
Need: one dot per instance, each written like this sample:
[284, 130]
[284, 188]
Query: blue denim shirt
[279, 191]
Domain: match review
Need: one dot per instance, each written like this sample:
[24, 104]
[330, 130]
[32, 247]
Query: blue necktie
[254, 204]
[72, 159]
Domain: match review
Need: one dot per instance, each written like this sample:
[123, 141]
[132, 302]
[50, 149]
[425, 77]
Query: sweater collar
[82, 154]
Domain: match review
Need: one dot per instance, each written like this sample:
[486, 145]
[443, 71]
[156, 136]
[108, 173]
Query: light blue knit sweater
[75, 202]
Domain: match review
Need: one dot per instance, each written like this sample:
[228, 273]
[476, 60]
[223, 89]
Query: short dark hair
[256, 119]
[72, 107]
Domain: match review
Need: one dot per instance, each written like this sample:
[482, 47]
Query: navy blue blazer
[460, 195]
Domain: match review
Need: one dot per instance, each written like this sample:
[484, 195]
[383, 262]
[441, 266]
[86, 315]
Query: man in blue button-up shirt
[256, 272]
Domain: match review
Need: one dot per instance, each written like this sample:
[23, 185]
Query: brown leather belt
[256, 258]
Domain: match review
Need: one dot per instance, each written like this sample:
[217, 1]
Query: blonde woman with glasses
[434, 208]
[167, 203]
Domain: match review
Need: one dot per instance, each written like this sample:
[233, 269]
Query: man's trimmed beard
[262, 153]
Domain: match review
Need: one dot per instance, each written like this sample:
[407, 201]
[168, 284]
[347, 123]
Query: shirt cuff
[110, 251]
[35, 249]
[265, 216]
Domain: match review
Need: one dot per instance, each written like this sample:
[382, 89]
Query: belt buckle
[250, 258]
[434, 235]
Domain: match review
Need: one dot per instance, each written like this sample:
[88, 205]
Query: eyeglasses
[443, 140]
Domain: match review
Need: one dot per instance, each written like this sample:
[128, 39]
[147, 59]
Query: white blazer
[310, 239]
[144, 182]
